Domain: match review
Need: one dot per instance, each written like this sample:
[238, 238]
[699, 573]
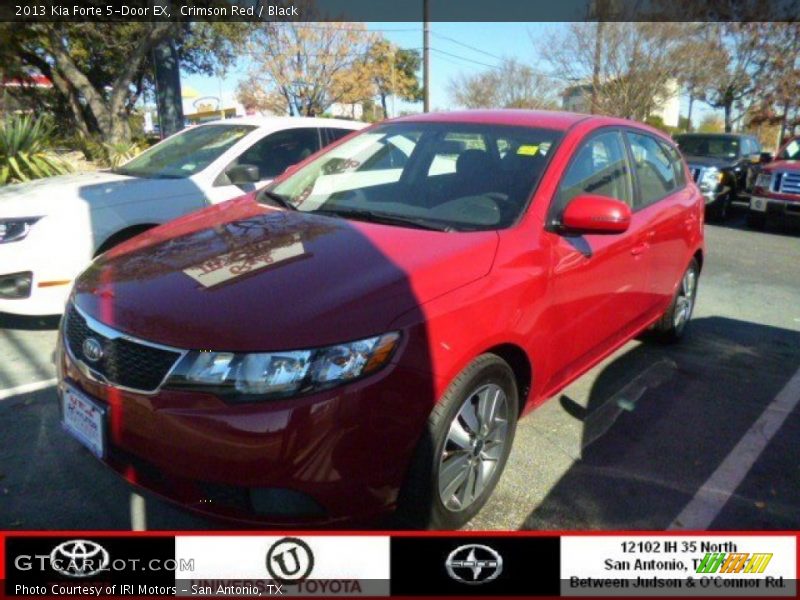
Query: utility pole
[598, 49]
[426, 58]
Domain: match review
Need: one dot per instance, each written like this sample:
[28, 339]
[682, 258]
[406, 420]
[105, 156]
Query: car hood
[245, 277]
[708, 161]
[97, 189]
[783, 165]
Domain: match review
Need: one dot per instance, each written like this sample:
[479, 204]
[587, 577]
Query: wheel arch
[122, 235]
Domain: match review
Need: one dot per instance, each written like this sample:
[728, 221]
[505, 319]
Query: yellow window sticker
[527, 150]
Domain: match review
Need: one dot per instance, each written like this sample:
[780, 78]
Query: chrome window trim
[112, 334]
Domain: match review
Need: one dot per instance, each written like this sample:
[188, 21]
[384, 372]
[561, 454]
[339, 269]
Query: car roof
[546, 119]
[280, 122]
[712, 134]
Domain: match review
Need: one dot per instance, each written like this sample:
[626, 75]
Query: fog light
[16, 285]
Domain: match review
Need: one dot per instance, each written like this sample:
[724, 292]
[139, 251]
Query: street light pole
[426, 58]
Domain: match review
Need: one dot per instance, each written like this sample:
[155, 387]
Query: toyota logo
[290, 560]
[79, 558]
[92, 350]
[474, 564]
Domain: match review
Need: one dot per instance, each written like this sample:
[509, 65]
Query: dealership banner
[404, 565]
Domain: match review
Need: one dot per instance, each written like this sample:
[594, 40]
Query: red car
[363, 335]
[777, 187]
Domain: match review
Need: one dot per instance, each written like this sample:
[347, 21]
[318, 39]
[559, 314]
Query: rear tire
[464, 447]
[671, 327]
[719, 210]
[756, 220]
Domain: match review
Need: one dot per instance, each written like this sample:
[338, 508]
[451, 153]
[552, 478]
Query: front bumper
[322, 459]
[775, 206]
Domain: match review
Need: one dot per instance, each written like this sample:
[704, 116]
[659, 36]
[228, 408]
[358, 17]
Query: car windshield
[715, 146]
[446, 176]
[186, 153]
[791, 151]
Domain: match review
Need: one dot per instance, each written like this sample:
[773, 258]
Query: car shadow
[661, 419]
[737, 220]
[25, 323]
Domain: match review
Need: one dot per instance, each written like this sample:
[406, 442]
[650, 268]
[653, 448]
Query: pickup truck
[776, 193]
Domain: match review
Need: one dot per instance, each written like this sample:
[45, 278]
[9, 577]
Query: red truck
[777, 188]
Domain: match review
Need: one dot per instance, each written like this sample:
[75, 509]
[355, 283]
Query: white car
[50, 229]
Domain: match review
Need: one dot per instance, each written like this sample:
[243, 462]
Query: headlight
[13, 230]
[763, 180]
[247, 377]
[710, 179]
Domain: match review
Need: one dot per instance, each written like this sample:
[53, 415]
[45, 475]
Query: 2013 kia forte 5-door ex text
[362, 336]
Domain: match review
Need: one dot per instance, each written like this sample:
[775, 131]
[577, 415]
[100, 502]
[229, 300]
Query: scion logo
[92, 349]
[79, 558]
[290, 560]
[474, 564]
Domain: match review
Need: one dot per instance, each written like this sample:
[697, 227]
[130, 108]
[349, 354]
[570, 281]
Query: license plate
[85, 420]
[759, 204]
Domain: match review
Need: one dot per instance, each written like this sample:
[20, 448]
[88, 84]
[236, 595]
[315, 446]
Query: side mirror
[243, 174]
[765, 157]
[589, 213]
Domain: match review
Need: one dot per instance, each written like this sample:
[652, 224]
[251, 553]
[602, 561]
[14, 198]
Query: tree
[394, 72]
[777, 84]
[711, 124]
[625, 67]
[99, 70]
[310, 65]
[511, 85]
[701, 62]
[740, 46]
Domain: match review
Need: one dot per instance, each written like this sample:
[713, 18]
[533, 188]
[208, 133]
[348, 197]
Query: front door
[599, 282]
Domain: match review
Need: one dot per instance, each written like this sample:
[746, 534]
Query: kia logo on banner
[474, 564]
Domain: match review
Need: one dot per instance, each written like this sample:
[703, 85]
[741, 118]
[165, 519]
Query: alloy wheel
[473, 448]
[684, 303]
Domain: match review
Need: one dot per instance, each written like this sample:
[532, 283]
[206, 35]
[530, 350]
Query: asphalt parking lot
[698, 435]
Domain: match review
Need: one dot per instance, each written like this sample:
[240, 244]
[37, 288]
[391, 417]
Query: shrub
[24, 150]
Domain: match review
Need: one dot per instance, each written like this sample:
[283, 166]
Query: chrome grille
[790, 183]
[125, 362]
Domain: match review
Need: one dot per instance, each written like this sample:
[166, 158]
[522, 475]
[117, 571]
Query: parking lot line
[27, 388]
[715, 492]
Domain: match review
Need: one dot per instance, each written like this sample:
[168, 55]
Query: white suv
[51, 229]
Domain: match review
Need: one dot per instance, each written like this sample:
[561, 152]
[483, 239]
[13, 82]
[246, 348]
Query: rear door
[664, 203]
[599, 281]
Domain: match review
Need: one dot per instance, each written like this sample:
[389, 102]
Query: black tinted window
[654, 169]
[677, 164]
[599, 167]
[335, 133]
[280, 150]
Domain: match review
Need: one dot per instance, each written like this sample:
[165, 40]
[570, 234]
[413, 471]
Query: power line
[455, 41]
[464, 58]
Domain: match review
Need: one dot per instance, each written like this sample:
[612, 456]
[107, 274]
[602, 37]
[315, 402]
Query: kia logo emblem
[290, 560]
[79, 558]
[92, 350]
[474, 564]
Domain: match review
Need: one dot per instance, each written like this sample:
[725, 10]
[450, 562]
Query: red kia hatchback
[363, 335]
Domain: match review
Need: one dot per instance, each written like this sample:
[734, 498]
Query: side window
[599, 167]
[279, 150]
[654, 169]
[335, 133]
[677, 164]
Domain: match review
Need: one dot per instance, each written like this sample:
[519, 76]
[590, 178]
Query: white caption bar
[282, 565]
[678, 566]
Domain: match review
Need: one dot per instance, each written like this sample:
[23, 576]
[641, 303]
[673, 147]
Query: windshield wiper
[278, 199]
[385, 218]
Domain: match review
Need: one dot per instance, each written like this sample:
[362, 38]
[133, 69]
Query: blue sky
[456, 48]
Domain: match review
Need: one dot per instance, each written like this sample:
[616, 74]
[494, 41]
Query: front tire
[672, 326]
[464, 448]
